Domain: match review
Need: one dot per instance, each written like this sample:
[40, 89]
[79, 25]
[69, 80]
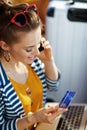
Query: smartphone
[41, 48]
[66, 100]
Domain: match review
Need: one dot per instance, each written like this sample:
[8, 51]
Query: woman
[25, 72]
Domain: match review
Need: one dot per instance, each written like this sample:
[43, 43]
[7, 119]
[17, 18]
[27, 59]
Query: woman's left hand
[46, 54]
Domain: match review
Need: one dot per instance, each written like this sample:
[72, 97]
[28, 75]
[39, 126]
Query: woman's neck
[12, 63]
[16, 70]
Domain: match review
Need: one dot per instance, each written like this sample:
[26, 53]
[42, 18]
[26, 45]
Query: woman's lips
[31, 58]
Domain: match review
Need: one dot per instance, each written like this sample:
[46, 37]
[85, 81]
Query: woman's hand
[46, 54]
[45, 115]
[48, 115]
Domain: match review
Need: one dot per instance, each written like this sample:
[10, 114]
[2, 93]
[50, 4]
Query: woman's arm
[46, 115]
[25, 122]
[46, 56]
[51, 69]
[6, 123]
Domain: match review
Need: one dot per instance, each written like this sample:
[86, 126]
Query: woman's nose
[36, 50]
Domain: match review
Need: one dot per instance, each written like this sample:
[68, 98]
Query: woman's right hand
[47, 115]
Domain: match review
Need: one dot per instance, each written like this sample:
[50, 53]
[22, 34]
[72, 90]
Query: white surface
[69, 43]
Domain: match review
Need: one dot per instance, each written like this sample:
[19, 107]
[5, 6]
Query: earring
[6, 55]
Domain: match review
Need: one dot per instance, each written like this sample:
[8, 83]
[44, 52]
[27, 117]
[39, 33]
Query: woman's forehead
[29, 38]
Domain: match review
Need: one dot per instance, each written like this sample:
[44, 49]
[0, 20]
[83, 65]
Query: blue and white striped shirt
[11, 107]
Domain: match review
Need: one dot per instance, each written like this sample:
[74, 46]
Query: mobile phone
[66, 100]
[41, 48]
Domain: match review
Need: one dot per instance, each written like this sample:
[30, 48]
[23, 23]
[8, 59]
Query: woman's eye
[28, 50]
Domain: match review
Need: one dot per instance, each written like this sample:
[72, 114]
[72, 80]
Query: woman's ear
[4, 46]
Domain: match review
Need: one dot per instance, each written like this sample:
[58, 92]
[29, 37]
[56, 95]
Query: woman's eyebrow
[32, 45]
[29, 46]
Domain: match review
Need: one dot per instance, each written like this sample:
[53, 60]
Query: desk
[45, 126]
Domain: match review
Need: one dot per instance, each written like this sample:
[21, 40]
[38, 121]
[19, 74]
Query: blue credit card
[66, 100]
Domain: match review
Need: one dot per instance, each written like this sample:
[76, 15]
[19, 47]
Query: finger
[52, 109]
[61, 111]
[44, 43]
[43, 39]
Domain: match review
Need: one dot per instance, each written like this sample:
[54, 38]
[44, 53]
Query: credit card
[66, 100]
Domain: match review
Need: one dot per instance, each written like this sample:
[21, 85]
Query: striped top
[10, 105]
[31, 102]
